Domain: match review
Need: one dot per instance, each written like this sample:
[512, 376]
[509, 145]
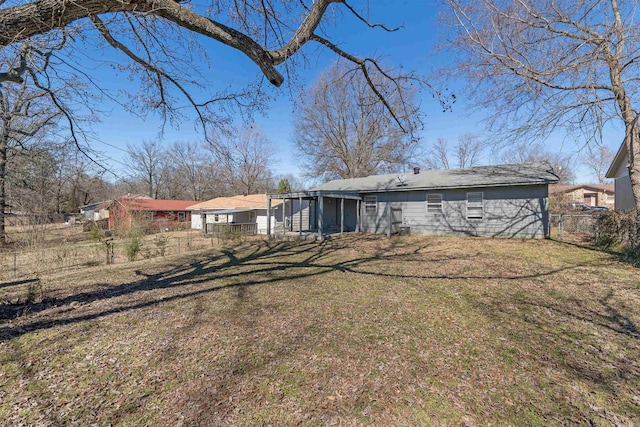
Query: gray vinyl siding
[623, 193]
[516, 211]
[307, 215]
[331, 214]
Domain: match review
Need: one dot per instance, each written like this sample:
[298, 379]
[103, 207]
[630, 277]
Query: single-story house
[95, 211]
[503, 201]
[587, 194]
[126, 210]
[245, 214]
[619, 171]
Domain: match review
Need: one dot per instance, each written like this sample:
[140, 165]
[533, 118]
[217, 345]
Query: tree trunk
[632, 139]
[3, 197]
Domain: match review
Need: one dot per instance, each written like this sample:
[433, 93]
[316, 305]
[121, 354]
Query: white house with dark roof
[246, 214]
[497, 201]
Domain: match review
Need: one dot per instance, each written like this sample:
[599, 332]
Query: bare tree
[144, 163]
[466, 153]
[81, 182]
[245, 159]
[598, 159]
[194, 167]
[26, 115]
[33, 183]
[438, 155]
[543, 64]
[343, 130]
[162, 42]
[562, 164]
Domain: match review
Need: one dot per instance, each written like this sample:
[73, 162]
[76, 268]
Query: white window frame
[370, 201]
[182, 216]
[475, 209]
[434, 207]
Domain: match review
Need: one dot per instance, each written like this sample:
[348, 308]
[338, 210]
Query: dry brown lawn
[358, 330]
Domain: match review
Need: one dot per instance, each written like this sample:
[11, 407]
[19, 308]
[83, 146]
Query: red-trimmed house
[127, 211]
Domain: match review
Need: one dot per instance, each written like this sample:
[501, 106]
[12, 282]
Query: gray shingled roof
[479, 176]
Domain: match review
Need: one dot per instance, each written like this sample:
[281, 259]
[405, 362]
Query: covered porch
[316, 212]
[230, 221]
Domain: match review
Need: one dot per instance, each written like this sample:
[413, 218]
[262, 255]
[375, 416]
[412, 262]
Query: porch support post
[300, 215]
[320, 214]
[268, 217]
[291, 215]
[358, 216]
[388, 220]
[341, 215]
[284, 216]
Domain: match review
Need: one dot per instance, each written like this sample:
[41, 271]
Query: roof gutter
[452, 187]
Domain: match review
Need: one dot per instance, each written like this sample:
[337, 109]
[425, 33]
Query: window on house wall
[182, 216]
[475, 205]
[434, 203]
[370, 204]
[216, 218]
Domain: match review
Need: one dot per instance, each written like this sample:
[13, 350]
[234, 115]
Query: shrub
[35, 293]
[133, 247]
[95, 233]
[161, 242]
[617, 230]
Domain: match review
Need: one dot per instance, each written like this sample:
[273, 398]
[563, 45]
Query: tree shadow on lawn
[578, 334]
[252, 264]
[623, 257]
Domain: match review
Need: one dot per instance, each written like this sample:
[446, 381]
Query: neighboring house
[588, 194]
[247, 214]
[95, 211]
[502, 201]
[619, 171]
[126, 210]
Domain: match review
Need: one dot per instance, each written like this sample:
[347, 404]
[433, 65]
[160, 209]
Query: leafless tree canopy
[244, 159]
[467, 152]
[144, 162]
[545, 64]
[26, 117]
[562, 163]
[598, 158]
[162, 42]
[343, 130]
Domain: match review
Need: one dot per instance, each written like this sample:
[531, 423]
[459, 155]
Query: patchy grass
[356, 330]
[73, 254]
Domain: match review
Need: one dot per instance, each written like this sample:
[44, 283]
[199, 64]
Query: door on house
[252, 217]
[590, 200]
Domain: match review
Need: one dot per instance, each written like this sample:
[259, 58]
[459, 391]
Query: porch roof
[227, 211]
[312, 194]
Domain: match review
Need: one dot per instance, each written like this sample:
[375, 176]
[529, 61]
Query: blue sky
[412, 47]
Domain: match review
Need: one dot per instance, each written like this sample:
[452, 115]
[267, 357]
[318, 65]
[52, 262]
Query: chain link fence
[576, 228]
[27, 263]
